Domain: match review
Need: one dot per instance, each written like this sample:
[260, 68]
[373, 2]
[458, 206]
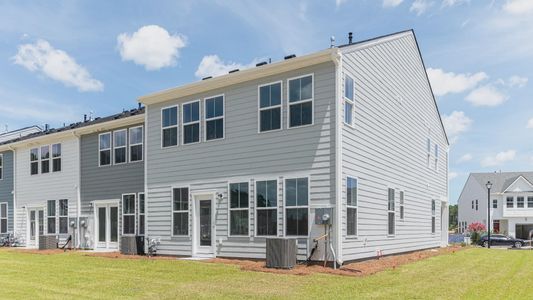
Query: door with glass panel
[106, 221]
[203, 232]
[36, 226]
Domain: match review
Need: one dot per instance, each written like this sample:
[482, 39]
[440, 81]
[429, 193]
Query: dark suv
[501, 240]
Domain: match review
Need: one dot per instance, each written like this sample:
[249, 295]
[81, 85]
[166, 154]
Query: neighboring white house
[511, 202]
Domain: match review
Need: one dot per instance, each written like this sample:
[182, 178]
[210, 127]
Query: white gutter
[337, 59]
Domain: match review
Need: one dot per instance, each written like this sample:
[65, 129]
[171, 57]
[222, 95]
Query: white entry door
[106, 226]
[204, 226]
[36, 226]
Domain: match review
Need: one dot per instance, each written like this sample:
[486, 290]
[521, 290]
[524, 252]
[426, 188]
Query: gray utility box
[132, 245]
[281, 253]
[47, 242]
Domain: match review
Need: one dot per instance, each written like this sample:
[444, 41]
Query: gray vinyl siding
[244, 155]
[6, 186]
[387, 148]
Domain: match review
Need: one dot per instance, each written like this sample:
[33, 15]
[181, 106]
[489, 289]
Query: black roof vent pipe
[290, 56]
[208, 77]
[233, 71]
[350, 37]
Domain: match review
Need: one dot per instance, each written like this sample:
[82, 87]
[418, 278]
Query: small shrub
[463, 244]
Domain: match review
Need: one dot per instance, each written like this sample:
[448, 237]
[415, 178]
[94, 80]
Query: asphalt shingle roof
[501, 180]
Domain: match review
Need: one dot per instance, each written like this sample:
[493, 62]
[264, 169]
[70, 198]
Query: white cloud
[487, 95]
[456, 123]
[452, 175]
[56, 64]
[339, 2]
[420, 6]
[498, 159]
[530, 123]
[212, 65]
[391, 3]
[518, 7]
[517, 81]
[465, 158]
[450, 3]
[151, 46]
[448, 82]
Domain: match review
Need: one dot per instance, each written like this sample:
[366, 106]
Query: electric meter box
[323, 216]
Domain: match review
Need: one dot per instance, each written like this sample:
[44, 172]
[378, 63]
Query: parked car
[501, 240]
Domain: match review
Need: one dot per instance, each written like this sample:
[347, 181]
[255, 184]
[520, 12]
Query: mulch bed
[359, 268]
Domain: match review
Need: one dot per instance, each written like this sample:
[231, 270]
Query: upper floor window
[104, 146]
[301, 101]
[351, 206]
[477, 202]
[239, 209]
[128, 214]
[266, 206]
[428, 151]
[494, 203]
[530, 202]
[45, 159]
[169, 126]
[297, 206]
[472, 204]
[270, 107]
[510, 202]
[119, 146]
[391, 212]
[348, 99]
[191, 122]
[34, 161]
[214, 118]
[136, 143]
[56, 157]
[1, 166]
[520, 202]
[436, 157]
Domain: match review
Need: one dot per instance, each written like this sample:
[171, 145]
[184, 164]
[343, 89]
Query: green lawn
[472, 273]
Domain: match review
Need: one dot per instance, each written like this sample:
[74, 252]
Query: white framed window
[51, 217]
[34, 161]
[520, 202]
[104, 149]
[433, 209]
[509, 202]
[119, 146]
[169, 126]
[128, 214]
[472, 204]
[429, 152]
[530, 202]
[3, 217]
[142, 214]
[136, 143]
[301, 94]
[56, 158]
[63, 216]
[45, 159]
[477, 206]
[436, 157]
[495, 203]
[1, 166]
[214, 118]
[239, 206]
[297, 206]
[348, 99]
[266, 206]
[402, 204]
[351, 205]
[270, 106]
[180, 211]
[391, 212]
[191, 122]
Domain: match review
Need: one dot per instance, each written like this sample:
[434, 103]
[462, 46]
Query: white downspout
[337, 59]
[78, 193]
[14, 191]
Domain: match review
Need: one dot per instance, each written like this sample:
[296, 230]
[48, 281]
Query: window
[270, 107]
[301, 101]
[297, 210]
[169, 126]
[428, 151]
[348, 99]
[495, 203]
[104, 146]
[266, 206]
[477, 204]
[529, 202]
[56, 157]
[51, 217]
[214, 118]
[433, 209]
[520, 202]
[401, 205]
[510, 202]
[238, 212]
[191, 122]
[34, 161]
[141, 214]
[180, 211]
[1, 166]
[128, 214]
[3, 217]
[63, 216]
[391, 213]
[351, 206]
[119, 146]
[472, 204]
[436, 157]
[136, 144]
[45, 159]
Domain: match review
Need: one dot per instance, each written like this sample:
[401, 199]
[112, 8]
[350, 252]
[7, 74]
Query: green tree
[453, 216]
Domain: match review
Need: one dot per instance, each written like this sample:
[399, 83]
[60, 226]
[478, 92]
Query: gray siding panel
[6, 186]
[394, 111]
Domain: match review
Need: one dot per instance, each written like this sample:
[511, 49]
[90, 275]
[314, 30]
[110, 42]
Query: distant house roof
[10, 135]
[78, 125]
[501, 180]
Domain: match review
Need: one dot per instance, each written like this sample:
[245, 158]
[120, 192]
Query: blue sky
[62, 59]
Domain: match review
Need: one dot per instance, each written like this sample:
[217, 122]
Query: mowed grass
[469, 274]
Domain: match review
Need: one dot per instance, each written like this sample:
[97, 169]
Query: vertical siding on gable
[387, 148]
[6, 186]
